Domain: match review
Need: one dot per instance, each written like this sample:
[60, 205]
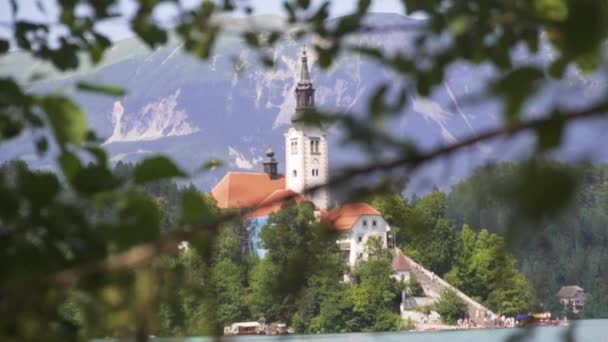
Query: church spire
[305, 92]
[304, 74]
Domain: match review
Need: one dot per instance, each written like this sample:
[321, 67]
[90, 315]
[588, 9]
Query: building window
[365, 223]
[314, 146]
[294, 146]
[359, 238]
[374, 223]
[315, 172]
[295, 173]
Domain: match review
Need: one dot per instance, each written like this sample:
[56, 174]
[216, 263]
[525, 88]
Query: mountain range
[230, 107]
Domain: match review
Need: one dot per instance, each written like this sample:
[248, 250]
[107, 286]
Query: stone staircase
[434, 286]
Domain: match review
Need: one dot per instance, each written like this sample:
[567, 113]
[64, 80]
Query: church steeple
[306, 148]
[304, 73]
[305, 92]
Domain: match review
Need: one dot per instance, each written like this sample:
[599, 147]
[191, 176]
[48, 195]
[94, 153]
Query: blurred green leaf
[193, 209]
[42, 145]
[148, 32]
[93, 179]
[100, 155]
[4, 46]
[68, 122]
[70, 165]
[515, 87]
[156, 168]
[304, 4]
[141, 221]
[212, 164]
[101, 89]
[460, 25]
[39, 188]
[558, 67]
[586, 18]
[555, 10]
[550, 134]
[252, 39]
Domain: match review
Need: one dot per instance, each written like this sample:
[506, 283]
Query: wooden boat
[245, 328]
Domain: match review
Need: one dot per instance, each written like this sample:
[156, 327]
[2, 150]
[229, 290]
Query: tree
[375, 295]
[302, 265]
[451, 307]
[485, 270]
[394, 210]
[414, 287]
[430, 238]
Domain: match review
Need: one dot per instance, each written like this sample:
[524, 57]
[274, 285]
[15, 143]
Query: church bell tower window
[314, 146]
[294, 146]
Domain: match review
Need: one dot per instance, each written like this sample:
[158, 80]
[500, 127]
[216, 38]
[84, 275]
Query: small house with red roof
[401, 267]
[307, 166]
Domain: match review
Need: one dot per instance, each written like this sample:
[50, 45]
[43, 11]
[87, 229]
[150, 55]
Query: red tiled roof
[345, 216]
[245, 189]
[274, 202]
[400, 263]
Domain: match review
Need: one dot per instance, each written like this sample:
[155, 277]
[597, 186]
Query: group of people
[504, 322]
[466, 322]
[497, 321]
[501, 321]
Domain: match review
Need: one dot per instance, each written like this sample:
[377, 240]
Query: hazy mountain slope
[193, 110]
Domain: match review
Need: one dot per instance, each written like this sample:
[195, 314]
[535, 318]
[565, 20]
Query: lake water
[584, 331]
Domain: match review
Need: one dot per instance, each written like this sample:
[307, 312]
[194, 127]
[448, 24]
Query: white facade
[307, 162]
[401, 275]
[354, 241]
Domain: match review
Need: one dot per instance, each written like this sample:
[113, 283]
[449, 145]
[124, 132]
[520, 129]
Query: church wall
[294, 161]
[318, 162]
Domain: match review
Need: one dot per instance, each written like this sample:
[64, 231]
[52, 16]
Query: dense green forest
[471, 236]
[568, 248]
[479, 264]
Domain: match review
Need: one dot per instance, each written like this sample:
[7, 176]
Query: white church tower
[307, 162]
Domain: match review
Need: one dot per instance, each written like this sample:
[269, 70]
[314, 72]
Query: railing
[445, 284]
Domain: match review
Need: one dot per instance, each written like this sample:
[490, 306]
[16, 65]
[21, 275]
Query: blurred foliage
[86, 234]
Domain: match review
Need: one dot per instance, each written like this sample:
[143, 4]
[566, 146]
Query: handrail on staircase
[444, 283]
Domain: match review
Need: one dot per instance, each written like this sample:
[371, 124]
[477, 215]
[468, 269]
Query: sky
[118, 28]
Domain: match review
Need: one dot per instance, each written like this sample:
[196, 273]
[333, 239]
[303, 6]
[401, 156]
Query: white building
[307, 166]
[359, 223]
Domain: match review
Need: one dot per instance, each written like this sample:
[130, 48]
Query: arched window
[295, 173]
